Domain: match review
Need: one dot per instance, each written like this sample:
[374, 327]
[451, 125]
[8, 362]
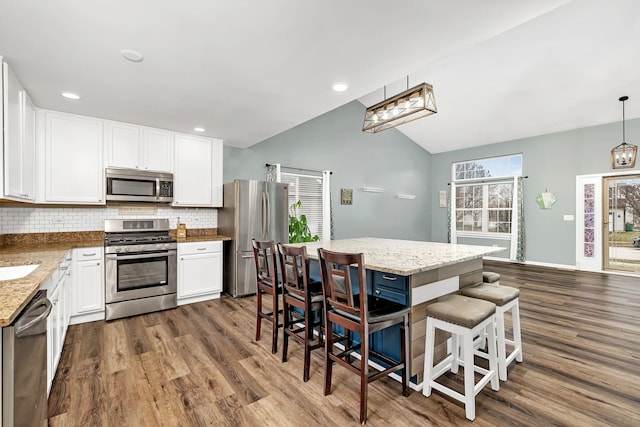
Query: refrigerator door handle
[264, 215]
[268, 222]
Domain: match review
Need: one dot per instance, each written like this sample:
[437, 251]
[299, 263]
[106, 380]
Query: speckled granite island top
[403, 257]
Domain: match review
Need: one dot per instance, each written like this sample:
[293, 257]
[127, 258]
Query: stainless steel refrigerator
[252, 209]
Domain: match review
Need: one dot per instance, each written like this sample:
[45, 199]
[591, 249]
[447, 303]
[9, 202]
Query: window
[484, 199]
[485, 208]
[309, 190]
[493, 167]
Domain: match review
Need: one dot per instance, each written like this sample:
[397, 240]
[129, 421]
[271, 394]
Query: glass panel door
[621, 233]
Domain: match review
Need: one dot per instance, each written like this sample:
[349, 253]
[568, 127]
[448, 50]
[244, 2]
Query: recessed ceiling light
[131, 55]
[340, 87]
[70, 95]
[198, 129]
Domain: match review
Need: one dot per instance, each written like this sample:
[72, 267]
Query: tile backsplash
[46, 220]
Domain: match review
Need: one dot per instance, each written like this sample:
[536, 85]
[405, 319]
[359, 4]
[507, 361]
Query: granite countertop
[403, 257]
[48, 250]
[15, 294]
[203, 238]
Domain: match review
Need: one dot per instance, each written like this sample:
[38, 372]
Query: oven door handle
[140, 256]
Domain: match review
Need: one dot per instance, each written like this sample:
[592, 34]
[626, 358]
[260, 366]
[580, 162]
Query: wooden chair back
[337, 283]
[294, 266]
[264, 254]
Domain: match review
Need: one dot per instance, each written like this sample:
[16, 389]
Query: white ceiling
[248, 70]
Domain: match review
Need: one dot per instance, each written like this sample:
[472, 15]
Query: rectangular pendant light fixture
[404, 107]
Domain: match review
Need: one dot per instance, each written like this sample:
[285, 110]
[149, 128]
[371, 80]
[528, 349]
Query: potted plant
[298, 229]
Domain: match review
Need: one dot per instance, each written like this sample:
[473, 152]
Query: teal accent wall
[552, 162]
[335, 142]
[390, 160]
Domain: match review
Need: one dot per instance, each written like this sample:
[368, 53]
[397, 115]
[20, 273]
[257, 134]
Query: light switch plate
[568, 218]
[443, 199]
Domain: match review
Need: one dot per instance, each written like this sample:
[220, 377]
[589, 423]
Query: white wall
[44, 220]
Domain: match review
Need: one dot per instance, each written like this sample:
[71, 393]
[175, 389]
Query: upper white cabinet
[74, 169]
[138, 147]
[198, 171]
[19, 139]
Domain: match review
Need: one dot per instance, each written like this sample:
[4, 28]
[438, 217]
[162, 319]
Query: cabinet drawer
[199, 247]
[390, 281]
[391, 295]
[88, 254]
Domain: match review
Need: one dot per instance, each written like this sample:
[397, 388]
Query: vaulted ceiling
[248, 70]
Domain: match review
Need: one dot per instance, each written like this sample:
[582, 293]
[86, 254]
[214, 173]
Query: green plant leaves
[298, 229]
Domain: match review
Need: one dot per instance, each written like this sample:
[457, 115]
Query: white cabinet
[199, 271]
[57, 292]
[74, 170]
[88, 285]
[19, 139]
[198, 171]
[138, 147]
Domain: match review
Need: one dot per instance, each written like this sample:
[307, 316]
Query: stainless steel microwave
[133, 185]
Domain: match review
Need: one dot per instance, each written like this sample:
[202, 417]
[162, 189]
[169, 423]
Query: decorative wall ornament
[346, 196]
[546, 200]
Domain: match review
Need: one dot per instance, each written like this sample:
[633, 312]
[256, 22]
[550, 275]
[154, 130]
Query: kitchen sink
[16, 271]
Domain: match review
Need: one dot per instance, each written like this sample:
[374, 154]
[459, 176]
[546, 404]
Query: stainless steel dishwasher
[24, 366]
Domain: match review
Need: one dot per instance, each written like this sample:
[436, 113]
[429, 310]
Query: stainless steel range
[140, 267]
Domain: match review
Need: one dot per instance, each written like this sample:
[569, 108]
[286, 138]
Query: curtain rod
[297, 169]
[489, 180]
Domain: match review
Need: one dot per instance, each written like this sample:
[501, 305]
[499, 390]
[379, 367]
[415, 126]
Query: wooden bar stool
[264, 254]
[464, 318]
[505, 298]
[304, 294]
[348, 305]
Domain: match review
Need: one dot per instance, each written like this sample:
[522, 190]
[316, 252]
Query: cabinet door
[158, 149]
[89, 291]
[199, 275]
[74, 172]
[28, 148]
[124, 149]
[53, 335]
[216, 172]
[193, 171]
[20, 146]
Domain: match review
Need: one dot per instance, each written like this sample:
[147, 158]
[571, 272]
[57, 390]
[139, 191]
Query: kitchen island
[413, 273]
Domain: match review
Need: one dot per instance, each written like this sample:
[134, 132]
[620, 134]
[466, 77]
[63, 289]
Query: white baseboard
[567, 267]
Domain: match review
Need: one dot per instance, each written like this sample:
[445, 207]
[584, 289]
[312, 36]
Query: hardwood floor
[198, 365]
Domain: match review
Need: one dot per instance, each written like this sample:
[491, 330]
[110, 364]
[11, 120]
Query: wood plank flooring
[198, 365]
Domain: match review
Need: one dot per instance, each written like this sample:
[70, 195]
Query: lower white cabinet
[57, 322]
[88, 285]
[199, 271]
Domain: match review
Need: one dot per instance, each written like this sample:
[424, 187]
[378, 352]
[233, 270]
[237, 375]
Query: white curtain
[327, 218]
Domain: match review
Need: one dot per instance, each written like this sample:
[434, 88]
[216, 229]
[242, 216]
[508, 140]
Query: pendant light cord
[624, 139]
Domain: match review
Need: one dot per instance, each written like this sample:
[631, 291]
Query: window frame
[485, 182]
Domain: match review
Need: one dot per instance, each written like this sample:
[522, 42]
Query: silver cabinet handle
[93, 254]
[201, 249]
[247, 256]
[385, 277]
[378, 292]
